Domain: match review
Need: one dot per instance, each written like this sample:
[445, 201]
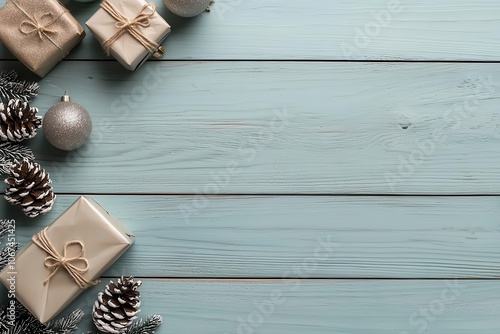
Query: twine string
[76, 266]
[34, 24]
[126, 25]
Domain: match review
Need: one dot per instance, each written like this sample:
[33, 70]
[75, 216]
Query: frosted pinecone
[117, 306]
[29, 185]
[18, 121]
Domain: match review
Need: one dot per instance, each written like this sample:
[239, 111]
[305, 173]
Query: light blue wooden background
[274, 154]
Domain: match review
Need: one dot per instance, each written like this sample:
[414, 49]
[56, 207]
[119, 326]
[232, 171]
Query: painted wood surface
[325, 29]
[279, 128]
[255, 106]
[317, 306]
[295, 236]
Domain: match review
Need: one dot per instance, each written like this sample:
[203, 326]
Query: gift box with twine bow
[39, 33]
[66, 258]
[129, 30]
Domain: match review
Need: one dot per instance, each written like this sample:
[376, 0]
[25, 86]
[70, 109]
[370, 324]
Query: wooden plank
[294, 236]
[263, 127]
[325, 29]
[325, 306]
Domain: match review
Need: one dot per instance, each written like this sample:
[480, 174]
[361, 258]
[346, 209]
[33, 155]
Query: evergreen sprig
[142, 326]
[11, 154]
[25, 322]
[4, 253]
[147, 326]
[9, 248]
[13, 88]
[5, 226]
[66, 325]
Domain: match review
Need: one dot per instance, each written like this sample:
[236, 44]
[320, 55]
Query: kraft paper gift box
[130, 44]
[104, 240]
[39, 33]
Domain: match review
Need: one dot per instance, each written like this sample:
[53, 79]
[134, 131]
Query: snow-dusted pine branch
[13, 88]
[11, 153]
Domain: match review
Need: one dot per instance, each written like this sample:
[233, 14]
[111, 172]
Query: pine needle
[11, 154]
[13, 88]
[11, 247]
[66, 325]
[5, 253]
[25, 322]
[147, 326]
[5, 226]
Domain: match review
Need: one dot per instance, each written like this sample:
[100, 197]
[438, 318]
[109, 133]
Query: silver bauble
[67, 125]
[187, 8]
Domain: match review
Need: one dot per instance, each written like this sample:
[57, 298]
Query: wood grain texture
[317, 237]
[254, 106]
[324, 29]
[325, 306]
[280, 128]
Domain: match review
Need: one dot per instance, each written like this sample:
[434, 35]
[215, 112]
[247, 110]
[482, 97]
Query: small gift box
[39, 33]
[129, 30]
[65, 258]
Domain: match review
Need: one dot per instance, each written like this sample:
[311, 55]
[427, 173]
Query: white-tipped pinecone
[18, 121]
[117, 306]
[30, 186]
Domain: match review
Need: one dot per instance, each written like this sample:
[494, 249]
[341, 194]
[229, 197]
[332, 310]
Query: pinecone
[18, 121]
[116, 307]
[31, 187]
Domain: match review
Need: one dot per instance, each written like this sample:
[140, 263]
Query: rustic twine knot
[126, 25]
[55, 261]
[35, 24]
[142, 19]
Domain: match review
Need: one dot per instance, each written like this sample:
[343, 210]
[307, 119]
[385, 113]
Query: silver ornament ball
[67, 125]
[187, 8]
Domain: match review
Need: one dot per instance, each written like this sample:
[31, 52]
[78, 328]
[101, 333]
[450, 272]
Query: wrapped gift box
[150, 27]
[39, 33]
[104, 240]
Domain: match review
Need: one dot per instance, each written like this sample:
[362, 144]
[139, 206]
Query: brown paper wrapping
[39, 54]
[104, 238]
[127, 50]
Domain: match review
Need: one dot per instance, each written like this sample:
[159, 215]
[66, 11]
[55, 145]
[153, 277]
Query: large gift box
[65, 258]
[129, 30]
[39, 33]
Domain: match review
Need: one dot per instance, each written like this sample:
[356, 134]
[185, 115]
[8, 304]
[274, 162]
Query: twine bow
[126, 25]
[55, 261]
[35, 24]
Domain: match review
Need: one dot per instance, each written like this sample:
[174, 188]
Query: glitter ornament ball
[187, 8]
[67, 125]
